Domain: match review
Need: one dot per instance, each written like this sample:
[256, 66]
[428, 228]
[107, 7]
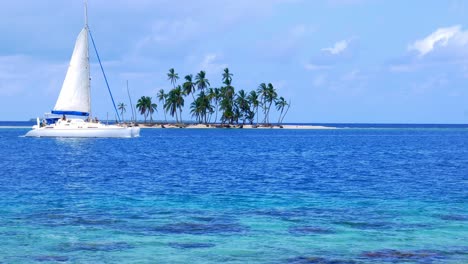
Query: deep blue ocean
[361, 195]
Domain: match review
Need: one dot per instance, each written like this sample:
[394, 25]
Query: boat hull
[104, 132]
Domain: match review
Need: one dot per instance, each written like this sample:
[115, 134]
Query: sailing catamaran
[75, 100]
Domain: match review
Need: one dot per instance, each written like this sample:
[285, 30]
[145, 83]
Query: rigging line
[103, 73]
[131, 104]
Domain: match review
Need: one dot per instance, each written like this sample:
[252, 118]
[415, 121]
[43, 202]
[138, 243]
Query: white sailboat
[75, 100]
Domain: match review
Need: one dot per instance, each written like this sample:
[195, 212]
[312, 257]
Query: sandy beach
[211, 126]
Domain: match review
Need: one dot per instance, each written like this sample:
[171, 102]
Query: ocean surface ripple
[236, 196]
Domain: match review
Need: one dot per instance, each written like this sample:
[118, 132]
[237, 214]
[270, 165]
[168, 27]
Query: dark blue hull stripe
[75, 113]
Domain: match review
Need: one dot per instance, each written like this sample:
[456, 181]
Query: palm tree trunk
[164, 110]
[216, 115]
[268, 113]
[180, 109]
[287, 109]
[193, 97]
[256, 113]
[279, 119]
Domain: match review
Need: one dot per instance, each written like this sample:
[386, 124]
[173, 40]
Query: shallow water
[236, 196]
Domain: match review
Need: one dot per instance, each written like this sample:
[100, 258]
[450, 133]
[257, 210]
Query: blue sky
[336, 60]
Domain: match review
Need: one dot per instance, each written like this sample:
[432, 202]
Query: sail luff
[88, 65]
[75, 93]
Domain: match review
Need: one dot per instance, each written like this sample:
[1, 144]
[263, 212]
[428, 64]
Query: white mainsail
[75, 99]
[75, 93]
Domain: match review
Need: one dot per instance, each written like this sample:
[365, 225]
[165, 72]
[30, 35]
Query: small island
[212, 107]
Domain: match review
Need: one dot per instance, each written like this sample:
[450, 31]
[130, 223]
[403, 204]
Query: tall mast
[86, 13]
[87, 54]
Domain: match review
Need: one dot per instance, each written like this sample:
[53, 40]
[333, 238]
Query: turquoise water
[236, 196]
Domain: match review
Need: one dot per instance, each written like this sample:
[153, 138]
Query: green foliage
[201, 108]
[143, 105]
[122, 108]
[172, 76]
[174, 102]
[201, 81]
[234, 107]
[189, 85]
[162, 98]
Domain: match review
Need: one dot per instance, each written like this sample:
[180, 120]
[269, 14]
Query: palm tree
[196, 110]
[122, 108]
[271, 97]
[227, 104]
[280, 105]
[227, 77]
[172, 76]
[174, 102]
[263, 94]
[253, 99]
[189, 86]
[171, 104]
[226, 96]
[250, 116]
[201, 107]
[243, 106]
[227, 107]
[152, 107]
[287, 109]
[201, 81]
[142, 105]
[179, 100]
[214, 95]
[162, 98]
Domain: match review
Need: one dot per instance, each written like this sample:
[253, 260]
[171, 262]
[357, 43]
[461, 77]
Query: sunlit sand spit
[207, 126]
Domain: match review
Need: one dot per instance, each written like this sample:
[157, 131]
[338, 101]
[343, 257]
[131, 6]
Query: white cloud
[442, 37]
[211, 64]
[445, 47]
[338, 48]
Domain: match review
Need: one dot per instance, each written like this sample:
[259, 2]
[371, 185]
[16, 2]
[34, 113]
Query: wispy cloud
[440, 38]
[211, 64]
[444, 47]
[328, 58]
[338, 47]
